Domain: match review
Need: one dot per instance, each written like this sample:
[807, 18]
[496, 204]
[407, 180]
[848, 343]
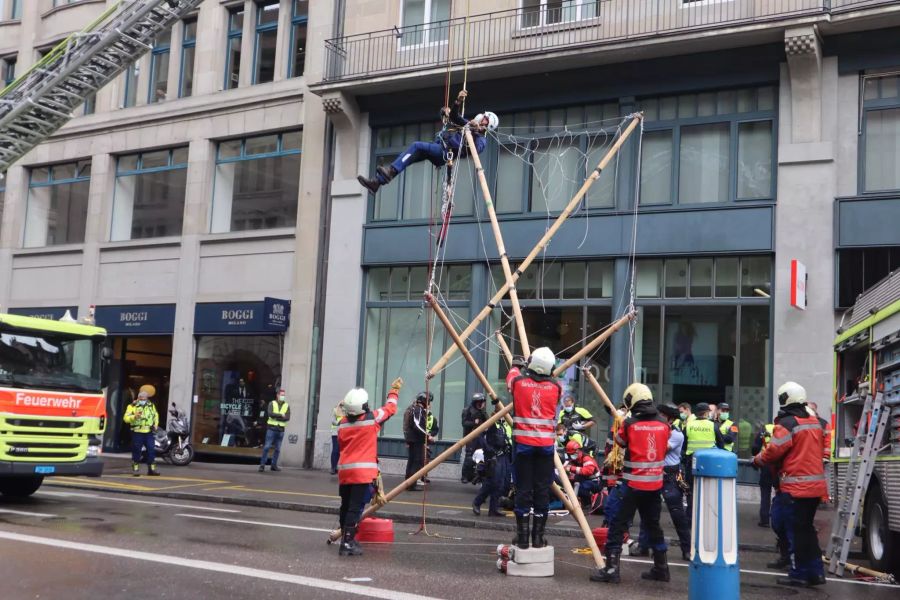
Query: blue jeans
[417, 152]
[781, 523]
[138, 442]
[335, 452]
[273, 440]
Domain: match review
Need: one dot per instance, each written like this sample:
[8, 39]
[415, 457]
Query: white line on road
[245, 521]
[203, 565]
[24, 513]
[134, 501]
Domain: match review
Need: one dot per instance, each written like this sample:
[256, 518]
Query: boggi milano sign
[269, 316]
[137, 319]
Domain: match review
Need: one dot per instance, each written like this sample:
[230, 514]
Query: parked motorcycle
[174, 443]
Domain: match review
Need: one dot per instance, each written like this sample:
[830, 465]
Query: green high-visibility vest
[429, 422]
[725, 429]
[277, 410]
[745, 435]
[700, 434]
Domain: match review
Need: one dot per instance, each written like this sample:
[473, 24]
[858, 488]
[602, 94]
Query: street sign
[798, 284]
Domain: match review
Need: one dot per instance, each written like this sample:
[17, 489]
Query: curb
[569, 532]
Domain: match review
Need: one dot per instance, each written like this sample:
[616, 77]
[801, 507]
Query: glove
[397, 384]
[578, 426]
[462, 95]
[518, 361]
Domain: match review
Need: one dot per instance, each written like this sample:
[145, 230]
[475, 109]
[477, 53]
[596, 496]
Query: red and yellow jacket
[358, 441]
[796, 452]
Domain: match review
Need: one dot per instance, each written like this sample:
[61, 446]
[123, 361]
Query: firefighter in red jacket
[796, 451]
[358, 464]
[583, 470]
[535, 395]
[645, 437]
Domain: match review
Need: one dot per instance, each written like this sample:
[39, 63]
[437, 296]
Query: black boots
[521, 539]
[783, 562]
[151, 470]
[660, 569]
[537, 531]
[610, 573]
[370, 184]
[349, 545]
[387, 174]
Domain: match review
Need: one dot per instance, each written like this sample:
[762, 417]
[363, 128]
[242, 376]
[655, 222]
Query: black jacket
[469, 416]
[414, 424]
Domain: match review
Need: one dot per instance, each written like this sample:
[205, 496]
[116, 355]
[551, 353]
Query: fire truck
[52, 405]
[867, 362]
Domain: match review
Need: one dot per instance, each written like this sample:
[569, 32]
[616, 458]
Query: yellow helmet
[636, 392]
[149, 389]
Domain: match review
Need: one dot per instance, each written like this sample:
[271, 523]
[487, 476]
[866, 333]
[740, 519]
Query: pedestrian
[416, 435]
[574, 417]
[144, 419]
[336, 415]
[643, 435]
[496, 449]
[449, 143]
[535, 395]
[583, 471]
[796, 450]
[727, 427]
[358, 464]
[701, 433]
[762, 439]
[472, 416]
[278, 413]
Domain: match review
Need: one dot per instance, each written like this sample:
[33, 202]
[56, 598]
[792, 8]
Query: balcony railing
[559, 24]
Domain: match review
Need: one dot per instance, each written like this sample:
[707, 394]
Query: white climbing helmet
[355, 402]
[791, 393]
[542, 361]
[493, 119]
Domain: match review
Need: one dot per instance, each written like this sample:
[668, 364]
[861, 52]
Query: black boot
[370, 184]
[660, 569]
[537, 531]
[783, 562]
[349, 545]
[610, 573]
[388, 173]
[521, 539]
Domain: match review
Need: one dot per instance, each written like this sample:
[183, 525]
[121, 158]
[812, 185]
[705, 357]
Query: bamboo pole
[596, 385]
[573, 204]
[578, 513]
[590, 347]
[501, 246]
[505, 347]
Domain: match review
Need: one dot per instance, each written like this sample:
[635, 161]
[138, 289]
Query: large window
[861, 268]
[188, 54]
[881, 151]
[8, 69]
[15, 10]
[710, 147]
[257, 182]
[299, 18]
[424, 22]
[722, 277]
[150, 189]
[395, 342]
[236, 377]
[234, 41]
[57, 204]
[266, 41]
[159, 67]
[550, 12]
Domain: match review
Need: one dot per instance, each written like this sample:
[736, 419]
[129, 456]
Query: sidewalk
[447, 502]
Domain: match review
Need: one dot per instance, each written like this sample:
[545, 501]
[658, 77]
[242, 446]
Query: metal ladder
[859, 472]
[42, 100]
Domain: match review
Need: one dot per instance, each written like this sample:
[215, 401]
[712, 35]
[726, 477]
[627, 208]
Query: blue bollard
[714, 571]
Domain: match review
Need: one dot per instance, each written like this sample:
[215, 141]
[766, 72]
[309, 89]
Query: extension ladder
[866, 445]
[42, 100]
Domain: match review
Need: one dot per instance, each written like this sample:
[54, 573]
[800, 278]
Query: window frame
[140, 170]
[157, 54]
[233, 34]
[867, 107]
[51, 181]
[296, 22]
[186, 44]
[260, 29]
[132, 83]
[426, 26]
[9, 64]
[543, 12]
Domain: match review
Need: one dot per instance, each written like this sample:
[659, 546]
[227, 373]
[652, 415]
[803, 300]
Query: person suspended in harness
[449, 144]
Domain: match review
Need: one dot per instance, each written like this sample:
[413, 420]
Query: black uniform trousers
[534, 473]
[649, 505]
[415, 458]
[353, 496]
[765, 495]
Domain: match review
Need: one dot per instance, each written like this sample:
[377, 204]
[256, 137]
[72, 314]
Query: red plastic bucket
[373, 529]
[600, 534]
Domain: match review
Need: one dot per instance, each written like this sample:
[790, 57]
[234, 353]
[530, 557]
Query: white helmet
[791, 393]
[493, 119]
[636, 392]
[542, 361]
[355, 402]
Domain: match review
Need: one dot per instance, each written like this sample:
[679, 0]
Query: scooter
[174, 443]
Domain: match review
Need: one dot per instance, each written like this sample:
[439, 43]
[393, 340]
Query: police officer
[762, 439]
[575, 417]
[472, 416]
[144, 419]
[700, 433]
[727, 427]
[685, 416]
[796, 448]
[358, 463]
[279, 413]
[415, 433]
[535, 396]
[496, 448]
[645, 437]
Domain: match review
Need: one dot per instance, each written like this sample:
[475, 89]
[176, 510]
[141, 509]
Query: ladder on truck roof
[42, 100]
[866, 445]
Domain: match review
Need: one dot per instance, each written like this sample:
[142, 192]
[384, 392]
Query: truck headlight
[94, 448]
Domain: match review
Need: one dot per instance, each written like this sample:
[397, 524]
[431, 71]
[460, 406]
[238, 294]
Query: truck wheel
[882, 545]
[20, 486]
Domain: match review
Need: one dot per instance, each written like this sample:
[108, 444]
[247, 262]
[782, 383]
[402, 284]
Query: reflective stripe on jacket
[278, 415]
[646, 440]
[358, 442]
[796, 446]
[729, 431]
[700, 435]
[534, 401]
[142, 416]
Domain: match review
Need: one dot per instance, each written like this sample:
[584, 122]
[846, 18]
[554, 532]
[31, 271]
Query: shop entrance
[137, 362]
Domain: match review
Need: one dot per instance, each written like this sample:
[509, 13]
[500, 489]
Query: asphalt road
[81, 544]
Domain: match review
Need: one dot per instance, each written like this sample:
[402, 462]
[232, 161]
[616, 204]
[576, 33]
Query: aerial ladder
[43, 99]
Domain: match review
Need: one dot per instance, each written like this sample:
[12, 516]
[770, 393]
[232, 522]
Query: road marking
[247, 522]
[109, 485]
[24, 513]
[135, 501]
[203, 565]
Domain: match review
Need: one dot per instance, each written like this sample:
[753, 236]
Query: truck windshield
[46, 360]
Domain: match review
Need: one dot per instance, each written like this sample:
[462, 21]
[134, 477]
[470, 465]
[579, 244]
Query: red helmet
[573, 448]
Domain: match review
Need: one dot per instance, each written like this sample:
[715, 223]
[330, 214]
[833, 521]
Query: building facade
[184, 204]
[770, 135]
